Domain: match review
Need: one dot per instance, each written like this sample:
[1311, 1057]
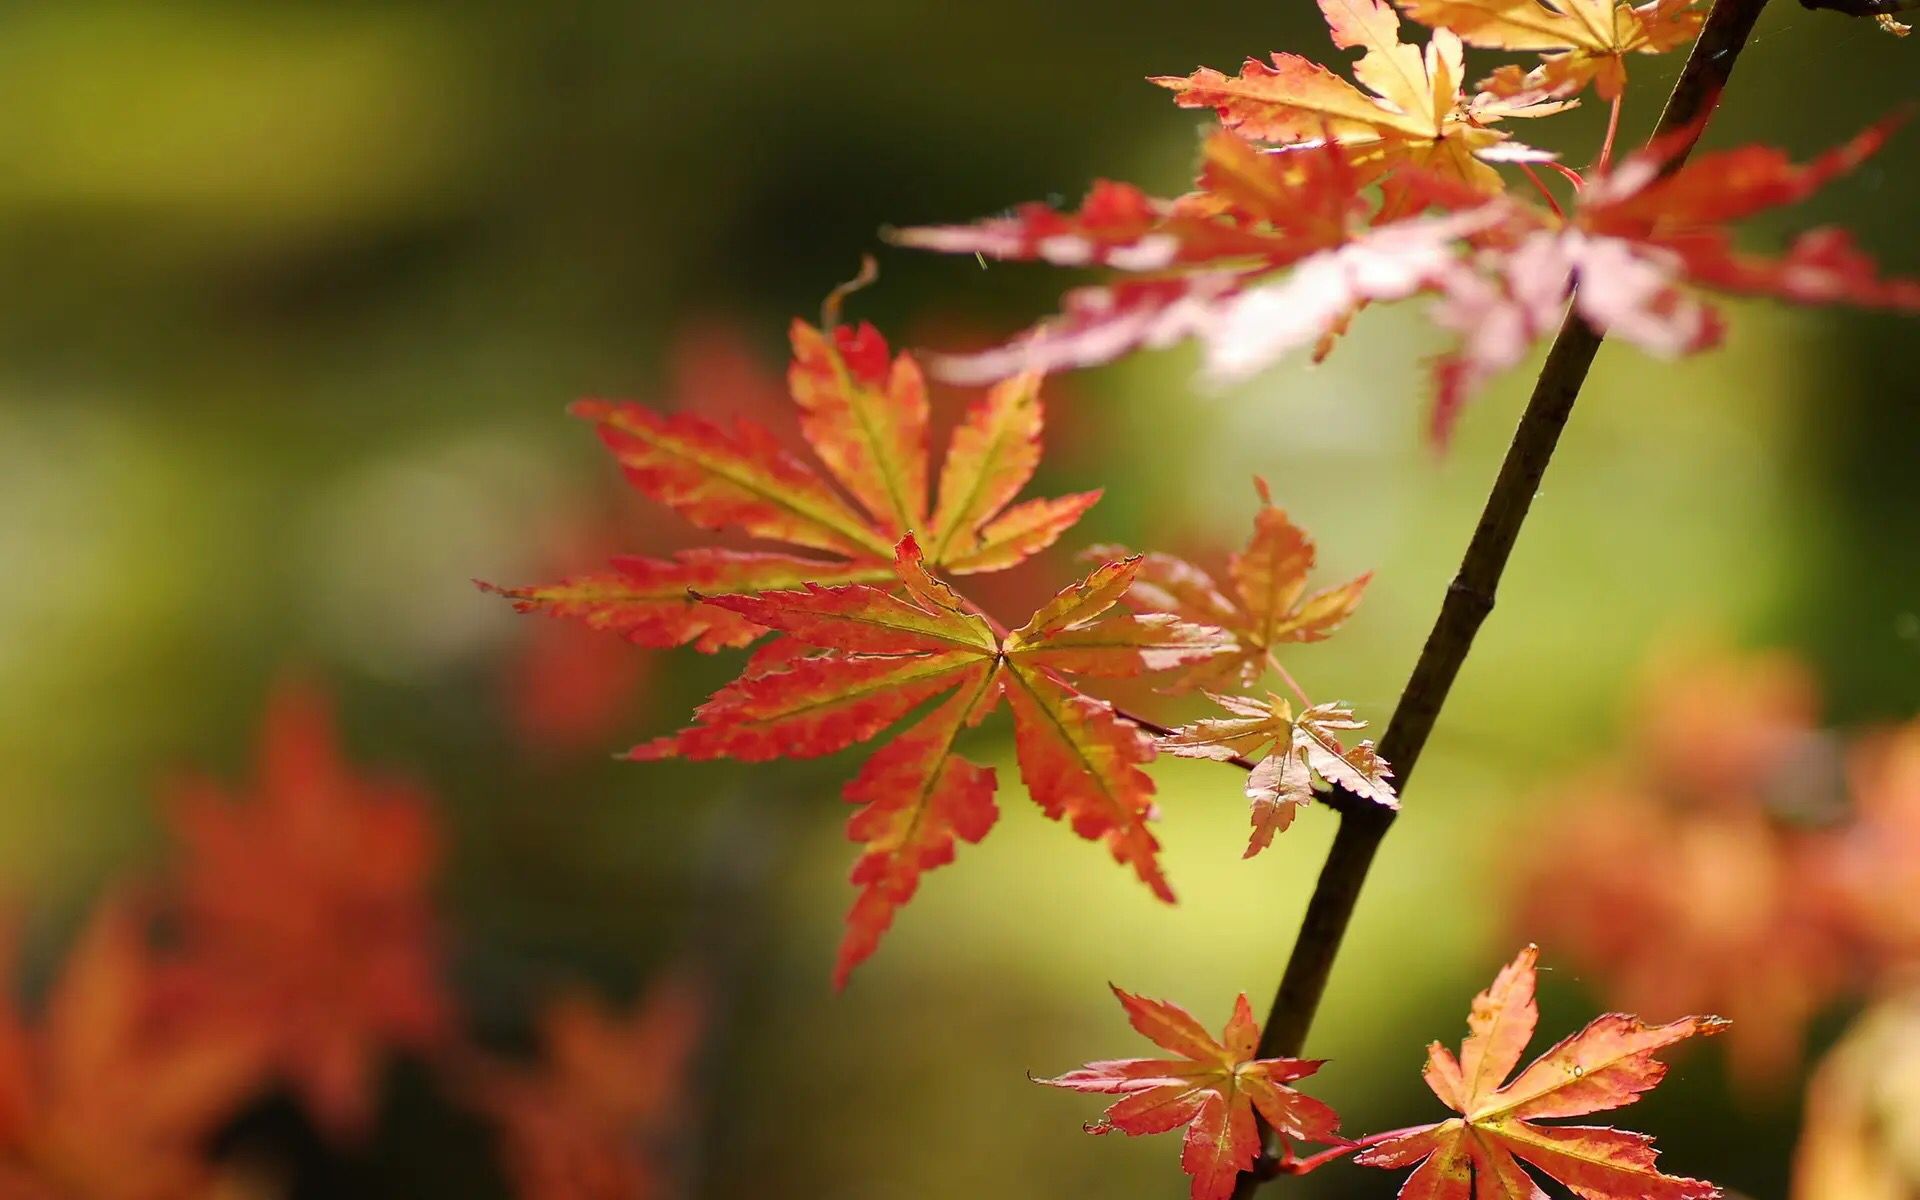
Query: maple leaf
[1581, 42]
[864, 412]
[1410, 109]
[1214, 1088]
[886, 655]
[1607, 1065]
[110, 1095]
[599, 1113]
[1274, 252]
[305, 913]
[1269, 606]
[1305, 748]
[1637, 237]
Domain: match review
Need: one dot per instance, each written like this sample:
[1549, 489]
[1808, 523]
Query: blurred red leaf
[111, 1095]
[305, 914]
[601, 1114]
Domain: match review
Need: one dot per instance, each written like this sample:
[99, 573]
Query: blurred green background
[298, 292]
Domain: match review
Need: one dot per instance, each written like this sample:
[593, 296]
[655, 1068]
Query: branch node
[1473, 599]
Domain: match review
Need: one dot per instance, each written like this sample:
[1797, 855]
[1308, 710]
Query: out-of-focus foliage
[1861, 1139]
[295, 952]
[1737, 857]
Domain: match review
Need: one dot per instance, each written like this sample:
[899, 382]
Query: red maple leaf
[111, 1094]
[305, 912]
[1637, 238]
[856, 660]
[600, 1115]
[865, 415]
[1477, 1155]
[1214, 1088]
[1214, 262]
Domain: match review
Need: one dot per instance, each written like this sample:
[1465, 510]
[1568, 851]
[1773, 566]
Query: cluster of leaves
[869, 639]
[1776, 863]
[300, 952]
[1317, 197]
[1214, 1088]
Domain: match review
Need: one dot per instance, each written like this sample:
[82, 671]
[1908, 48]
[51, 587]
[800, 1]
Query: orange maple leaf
[865, 415]
[305, 913]
[1581, 42]
[1214, 1088]
[111, 1094]
[863, 658]
[1269, 606]
[1638, 237]
[1477, 1155]
[1409, 110]
[599, 1116]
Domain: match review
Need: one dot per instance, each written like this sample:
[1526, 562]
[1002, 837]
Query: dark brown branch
[1470, 597]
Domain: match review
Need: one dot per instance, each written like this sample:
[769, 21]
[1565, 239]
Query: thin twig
[1470, 596]
[1864, 8]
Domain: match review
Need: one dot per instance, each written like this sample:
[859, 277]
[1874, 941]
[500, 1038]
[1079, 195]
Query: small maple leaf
[865, 415]
[606, 1100]
[1305, 748]
[1214, 1088]
[1270, 605]
[1637, 237]
[875, 657]
[1607, 1065]
[1410, 109]
[1581, 42]
[305, 913]
[112, 1093]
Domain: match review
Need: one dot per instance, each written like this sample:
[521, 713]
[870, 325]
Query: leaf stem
[1540, 185]
[1613, 132]
[1470, 597]
[1313, 1162]
[1286, 676]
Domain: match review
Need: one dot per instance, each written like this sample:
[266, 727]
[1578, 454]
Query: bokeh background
[298, 294]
